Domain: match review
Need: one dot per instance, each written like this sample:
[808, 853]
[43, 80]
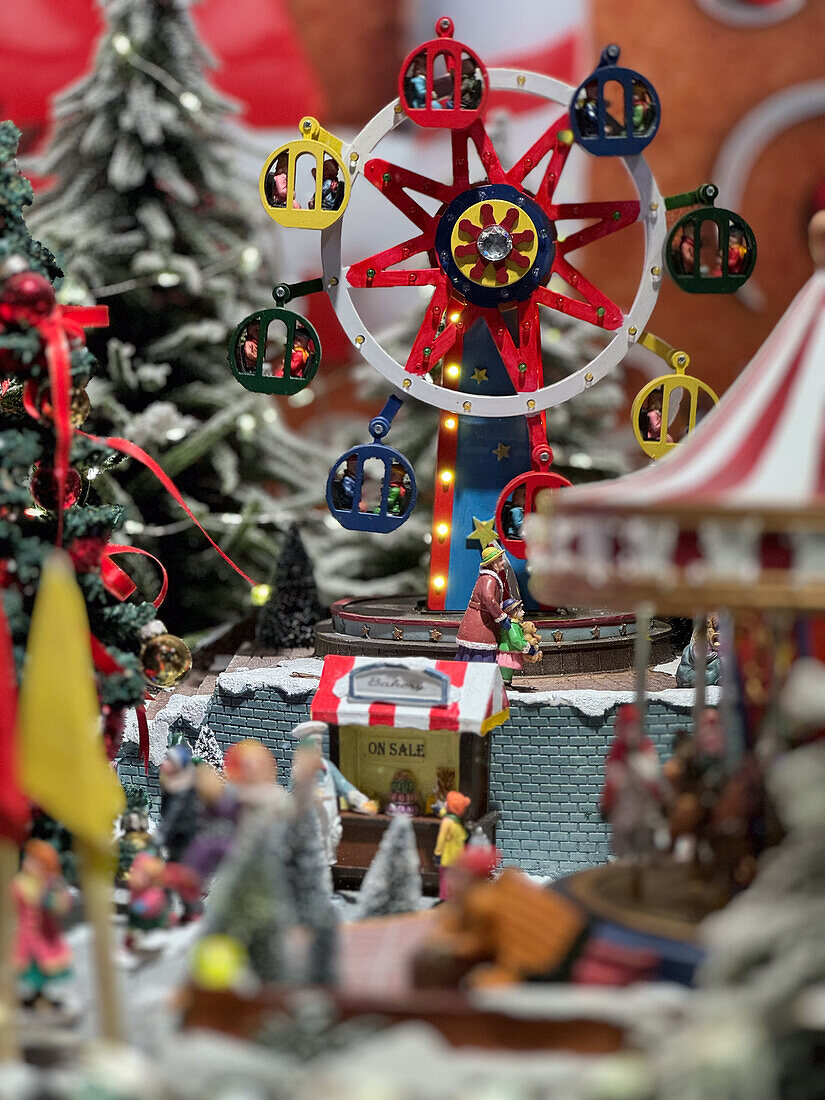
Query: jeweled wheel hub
[495, 244]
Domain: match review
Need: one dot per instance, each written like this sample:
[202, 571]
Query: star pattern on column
[502, 451]
[558, 636]
[484, 530]
[398, 633]
[365, 631]
[435, 634]
[479, 375]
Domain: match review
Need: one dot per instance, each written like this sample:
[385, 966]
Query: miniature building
[431, 719]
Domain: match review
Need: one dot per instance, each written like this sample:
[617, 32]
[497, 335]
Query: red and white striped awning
[734, 517]
[763, 445]
[370, 691]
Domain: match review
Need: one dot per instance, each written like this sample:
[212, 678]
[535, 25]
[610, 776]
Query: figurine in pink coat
[277, 182]
[41, 898]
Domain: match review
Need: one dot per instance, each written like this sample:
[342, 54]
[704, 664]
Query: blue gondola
[596, 129]
[346, 481]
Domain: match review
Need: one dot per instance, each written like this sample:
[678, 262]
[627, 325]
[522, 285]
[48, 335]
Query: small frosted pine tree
[392, 883]
[288, 618]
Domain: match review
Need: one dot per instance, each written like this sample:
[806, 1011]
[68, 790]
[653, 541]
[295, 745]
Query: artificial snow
[295, 678]
[597, 703]
[190, 709]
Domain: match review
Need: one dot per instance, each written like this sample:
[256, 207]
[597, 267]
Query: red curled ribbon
[131, 450]
[120, 584]
[104, 662]
[55, 329]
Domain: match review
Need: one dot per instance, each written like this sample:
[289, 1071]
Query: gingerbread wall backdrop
[709, 76]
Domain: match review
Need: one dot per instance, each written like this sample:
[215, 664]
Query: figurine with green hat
[485, 618]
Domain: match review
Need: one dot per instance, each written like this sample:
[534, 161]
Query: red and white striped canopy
[762, 446]
[473, 700]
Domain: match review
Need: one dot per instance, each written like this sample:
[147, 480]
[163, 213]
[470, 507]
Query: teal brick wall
[545, 776]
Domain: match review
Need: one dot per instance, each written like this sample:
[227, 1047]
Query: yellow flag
[63, 763]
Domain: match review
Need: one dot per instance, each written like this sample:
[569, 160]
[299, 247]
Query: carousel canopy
[735, 516]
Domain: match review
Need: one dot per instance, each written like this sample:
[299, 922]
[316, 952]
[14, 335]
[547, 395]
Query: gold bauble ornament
[79, 406]
[166, 660]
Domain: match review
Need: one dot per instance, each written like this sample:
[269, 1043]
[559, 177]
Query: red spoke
[487, 152]
[537, 151]
[487, 215]
[509, 219]
[526, 353]
[462, 250]
[419, 361]
[530, 345]
[612, 316]
[519, 260]
[501, 274]
[461, 164]
[612, 216]
[358, 275]
[523, 238]
[478, 268]
[400, 178]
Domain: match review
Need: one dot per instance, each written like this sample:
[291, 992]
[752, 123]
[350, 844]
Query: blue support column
[490, 452]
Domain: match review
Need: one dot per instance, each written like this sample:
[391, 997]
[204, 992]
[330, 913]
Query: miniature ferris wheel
[493, 256]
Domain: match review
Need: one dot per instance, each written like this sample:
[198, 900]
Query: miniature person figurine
[41, 897]
[484, 620]
[634, 792]
[416, 85]
[278, 182]
[587, 111]
[686, 672]
[685, 251]
[343, 488]
[332, 188]
[398, 495]
[471, 86]
[513, 646]
[452, 836]
[178, 801]
[150, 906]
[330, 787]
[642, 110]
[512, 514]
[650, 418]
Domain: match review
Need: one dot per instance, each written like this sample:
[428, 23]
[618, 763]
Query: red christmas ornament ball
[43, 487]
[26, 296]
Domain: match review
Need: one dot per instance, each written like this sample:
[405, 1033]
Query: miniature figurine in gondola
[277, 183]
[332, 187]
[485, 619]
[41, 898]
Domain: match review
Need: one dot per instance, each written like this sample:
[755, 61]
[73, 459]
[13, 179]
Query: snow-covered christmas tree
[392, 883]
[147, 213]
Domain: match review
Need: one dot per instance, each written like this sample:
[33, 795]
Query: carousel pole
[700, 666]
[644, 618]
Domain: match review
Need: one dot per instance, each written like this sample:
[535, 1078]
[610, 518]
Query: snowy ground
[353, 1061]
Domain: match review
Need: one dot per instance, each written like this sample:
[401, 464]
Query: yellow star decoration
[502, 451]
[484, 531]
[479, 375]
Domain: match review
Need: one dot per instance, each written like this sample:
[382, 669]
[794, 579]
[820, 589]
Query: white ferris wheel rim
[651, 215]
